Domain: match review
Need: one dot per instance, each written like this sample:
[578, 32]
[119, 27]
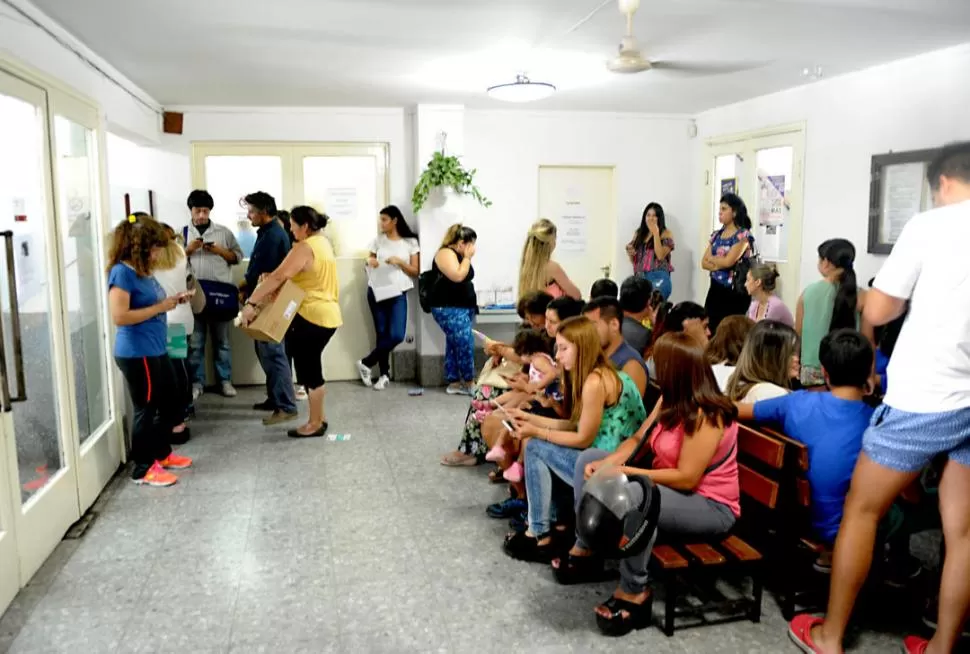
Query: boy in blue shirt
[831, 423]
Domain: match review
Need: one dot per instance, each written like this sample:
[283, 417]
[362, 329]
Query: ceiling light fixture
[521, 90]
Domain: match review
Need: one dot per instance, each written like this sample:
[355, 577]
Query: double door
[59, 439]
[765, 170]
[347, 181]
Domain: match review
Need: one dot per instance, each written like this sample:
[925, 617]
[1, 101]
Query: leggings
[456, 323]
[157, 408]
[689, 514]
[307, 342]
[183, 381]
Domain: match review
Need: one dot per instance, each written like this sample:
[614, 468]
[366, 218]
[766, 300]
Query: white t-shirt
[722, 372]
[402, 248]
[172, 282]
[763, 391]
[929, 266]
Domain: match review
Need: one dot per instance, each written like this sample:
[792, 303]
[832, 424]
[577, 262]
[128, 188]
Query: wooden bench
[774, 500]
[780, 528]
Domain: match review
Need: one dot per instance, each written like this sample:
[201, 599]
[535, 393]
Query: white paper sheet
[384, 282]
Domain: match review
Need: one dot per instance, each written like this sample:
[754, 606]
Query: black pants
[307, 341]
[153, 389]
[722, 302]
[183, 380]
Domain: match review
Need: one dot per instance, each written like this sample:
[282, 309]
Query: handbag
[176, 341]
[426, 283]
[221, 300]
[197, 301]
[497, 376]
[741, 268]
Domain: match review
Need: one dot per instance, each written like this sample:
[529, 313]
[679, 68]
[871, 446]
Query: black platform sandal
[523, 547]
[572, 569]
[638, 616]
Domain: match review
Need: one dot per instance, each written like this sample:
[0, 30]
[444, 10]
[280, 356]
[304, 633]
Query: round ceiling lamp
[521, 90]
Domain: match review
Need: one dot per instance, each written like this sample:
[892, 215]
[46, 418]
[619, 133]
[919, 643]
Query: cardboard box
[274, 319]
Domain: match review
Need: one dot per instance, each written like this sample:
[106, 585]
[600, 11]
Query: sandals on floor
[293, 433]
[458, 460]
[638, 616]
[495, 476]
[572, 569]
[523, 547]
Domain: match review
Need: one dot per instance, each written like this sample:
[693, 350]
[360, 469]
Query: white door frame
[747, 144]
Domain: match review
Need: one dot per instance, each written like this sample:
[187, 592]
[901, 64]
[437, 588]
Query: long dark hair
[671, 317]
[741, 218]
[400, 224]
[643, 232]
[841, 254]
[688, 386]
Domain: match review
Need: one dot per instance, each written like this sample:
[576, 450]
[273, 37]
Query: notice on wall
[729, 185]
[341, 203]
[902, 197]
[771, 237]
[573, 223]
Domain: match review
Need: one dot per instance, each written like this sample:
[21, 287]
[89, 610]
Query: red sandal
[915, 645]
[800, 632]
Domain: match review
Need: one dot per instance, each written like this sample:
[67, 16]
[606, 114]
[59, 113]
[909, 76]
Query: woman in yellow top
[312, 266]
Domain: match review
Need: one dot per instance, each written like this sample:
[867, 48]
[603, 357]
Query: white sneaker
[364, 373]
[299, 392]
[456, 388]
[228, 390]
[197, 391]
[381, 383]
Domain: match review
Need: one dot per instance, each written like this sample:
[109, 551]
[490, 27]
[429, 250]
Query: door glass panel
[773, 202]
[345, 188]
[23, 211]
[727, 179]
[230, 178]
[77, 199]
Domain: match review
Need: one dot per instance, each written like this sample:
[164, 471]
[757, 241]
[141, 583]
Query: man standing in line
[272, 246]
[212, 250]
[926, 411]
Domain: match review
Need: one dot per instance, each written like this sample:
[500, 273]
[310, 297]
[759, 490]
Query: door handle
[18, 350]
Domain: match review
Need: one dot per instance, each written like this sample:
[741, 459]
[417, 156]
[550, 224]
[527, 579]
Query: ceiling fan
[630, 59]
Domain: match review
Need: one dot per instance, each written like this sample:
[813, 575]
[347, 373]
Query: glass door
[765, 170]
[78, 205]
[348, 184]
[36, 420]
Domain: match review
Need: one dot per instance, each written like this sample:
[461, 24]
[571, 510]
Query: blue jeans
[456, 323]
[391, 325]
[660, 279]
[220, 347]
[279, 378]
[543, 460]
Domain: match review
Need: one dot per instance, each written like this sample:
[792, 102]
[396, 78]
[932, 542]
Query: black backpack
[426, 283]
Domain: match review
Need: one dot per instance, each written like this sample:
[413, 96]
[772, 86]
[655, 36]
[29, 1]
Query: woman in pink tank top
[694, 466]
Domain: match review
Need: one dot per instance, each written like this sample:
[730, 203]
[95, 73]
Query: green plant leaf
[446, 170]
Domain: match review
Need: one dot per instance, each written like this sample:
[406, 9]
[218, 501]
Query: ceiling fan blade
[707, 69]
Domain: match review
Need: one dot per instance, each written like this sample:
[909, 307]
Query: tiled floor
[367, 545]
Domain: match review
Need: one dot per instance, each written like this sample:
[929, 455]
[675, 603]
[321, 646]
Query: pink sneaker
[514, 473]
[496, 454]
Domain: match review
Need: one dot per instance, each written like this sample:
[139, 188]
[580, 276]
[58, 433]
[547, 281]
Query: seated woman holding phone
[603, 405]
[690, 454]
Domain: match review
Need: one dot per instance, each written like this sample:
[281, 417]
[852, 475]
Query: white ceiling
[403, 52]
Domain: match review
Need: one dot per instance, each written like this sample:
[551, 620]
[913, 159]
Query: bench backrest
[775, 494]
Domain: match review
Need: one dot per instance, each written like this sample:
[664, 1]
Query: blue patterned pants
[456, 323]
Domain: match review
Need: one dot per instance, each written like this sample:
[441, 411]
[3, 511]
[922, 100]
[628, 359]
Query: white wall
[133, 168]
[910, 104]
[26, 44]
[651, 156]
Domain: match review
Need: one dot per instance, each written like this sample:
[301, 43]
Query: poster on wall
[573, 223]
[341, 203]
[729, 185]
[772, 227]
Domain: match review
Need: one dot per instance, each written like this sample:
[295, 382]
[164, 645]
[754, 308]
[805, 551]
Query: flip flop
[458, 460]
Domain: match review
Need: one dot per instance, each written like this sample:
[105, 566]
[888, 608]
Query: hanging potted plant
[446, 171]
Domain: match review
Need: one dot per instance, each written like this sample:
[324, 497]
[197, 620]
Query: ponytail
[458, 233]
[841, 254]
